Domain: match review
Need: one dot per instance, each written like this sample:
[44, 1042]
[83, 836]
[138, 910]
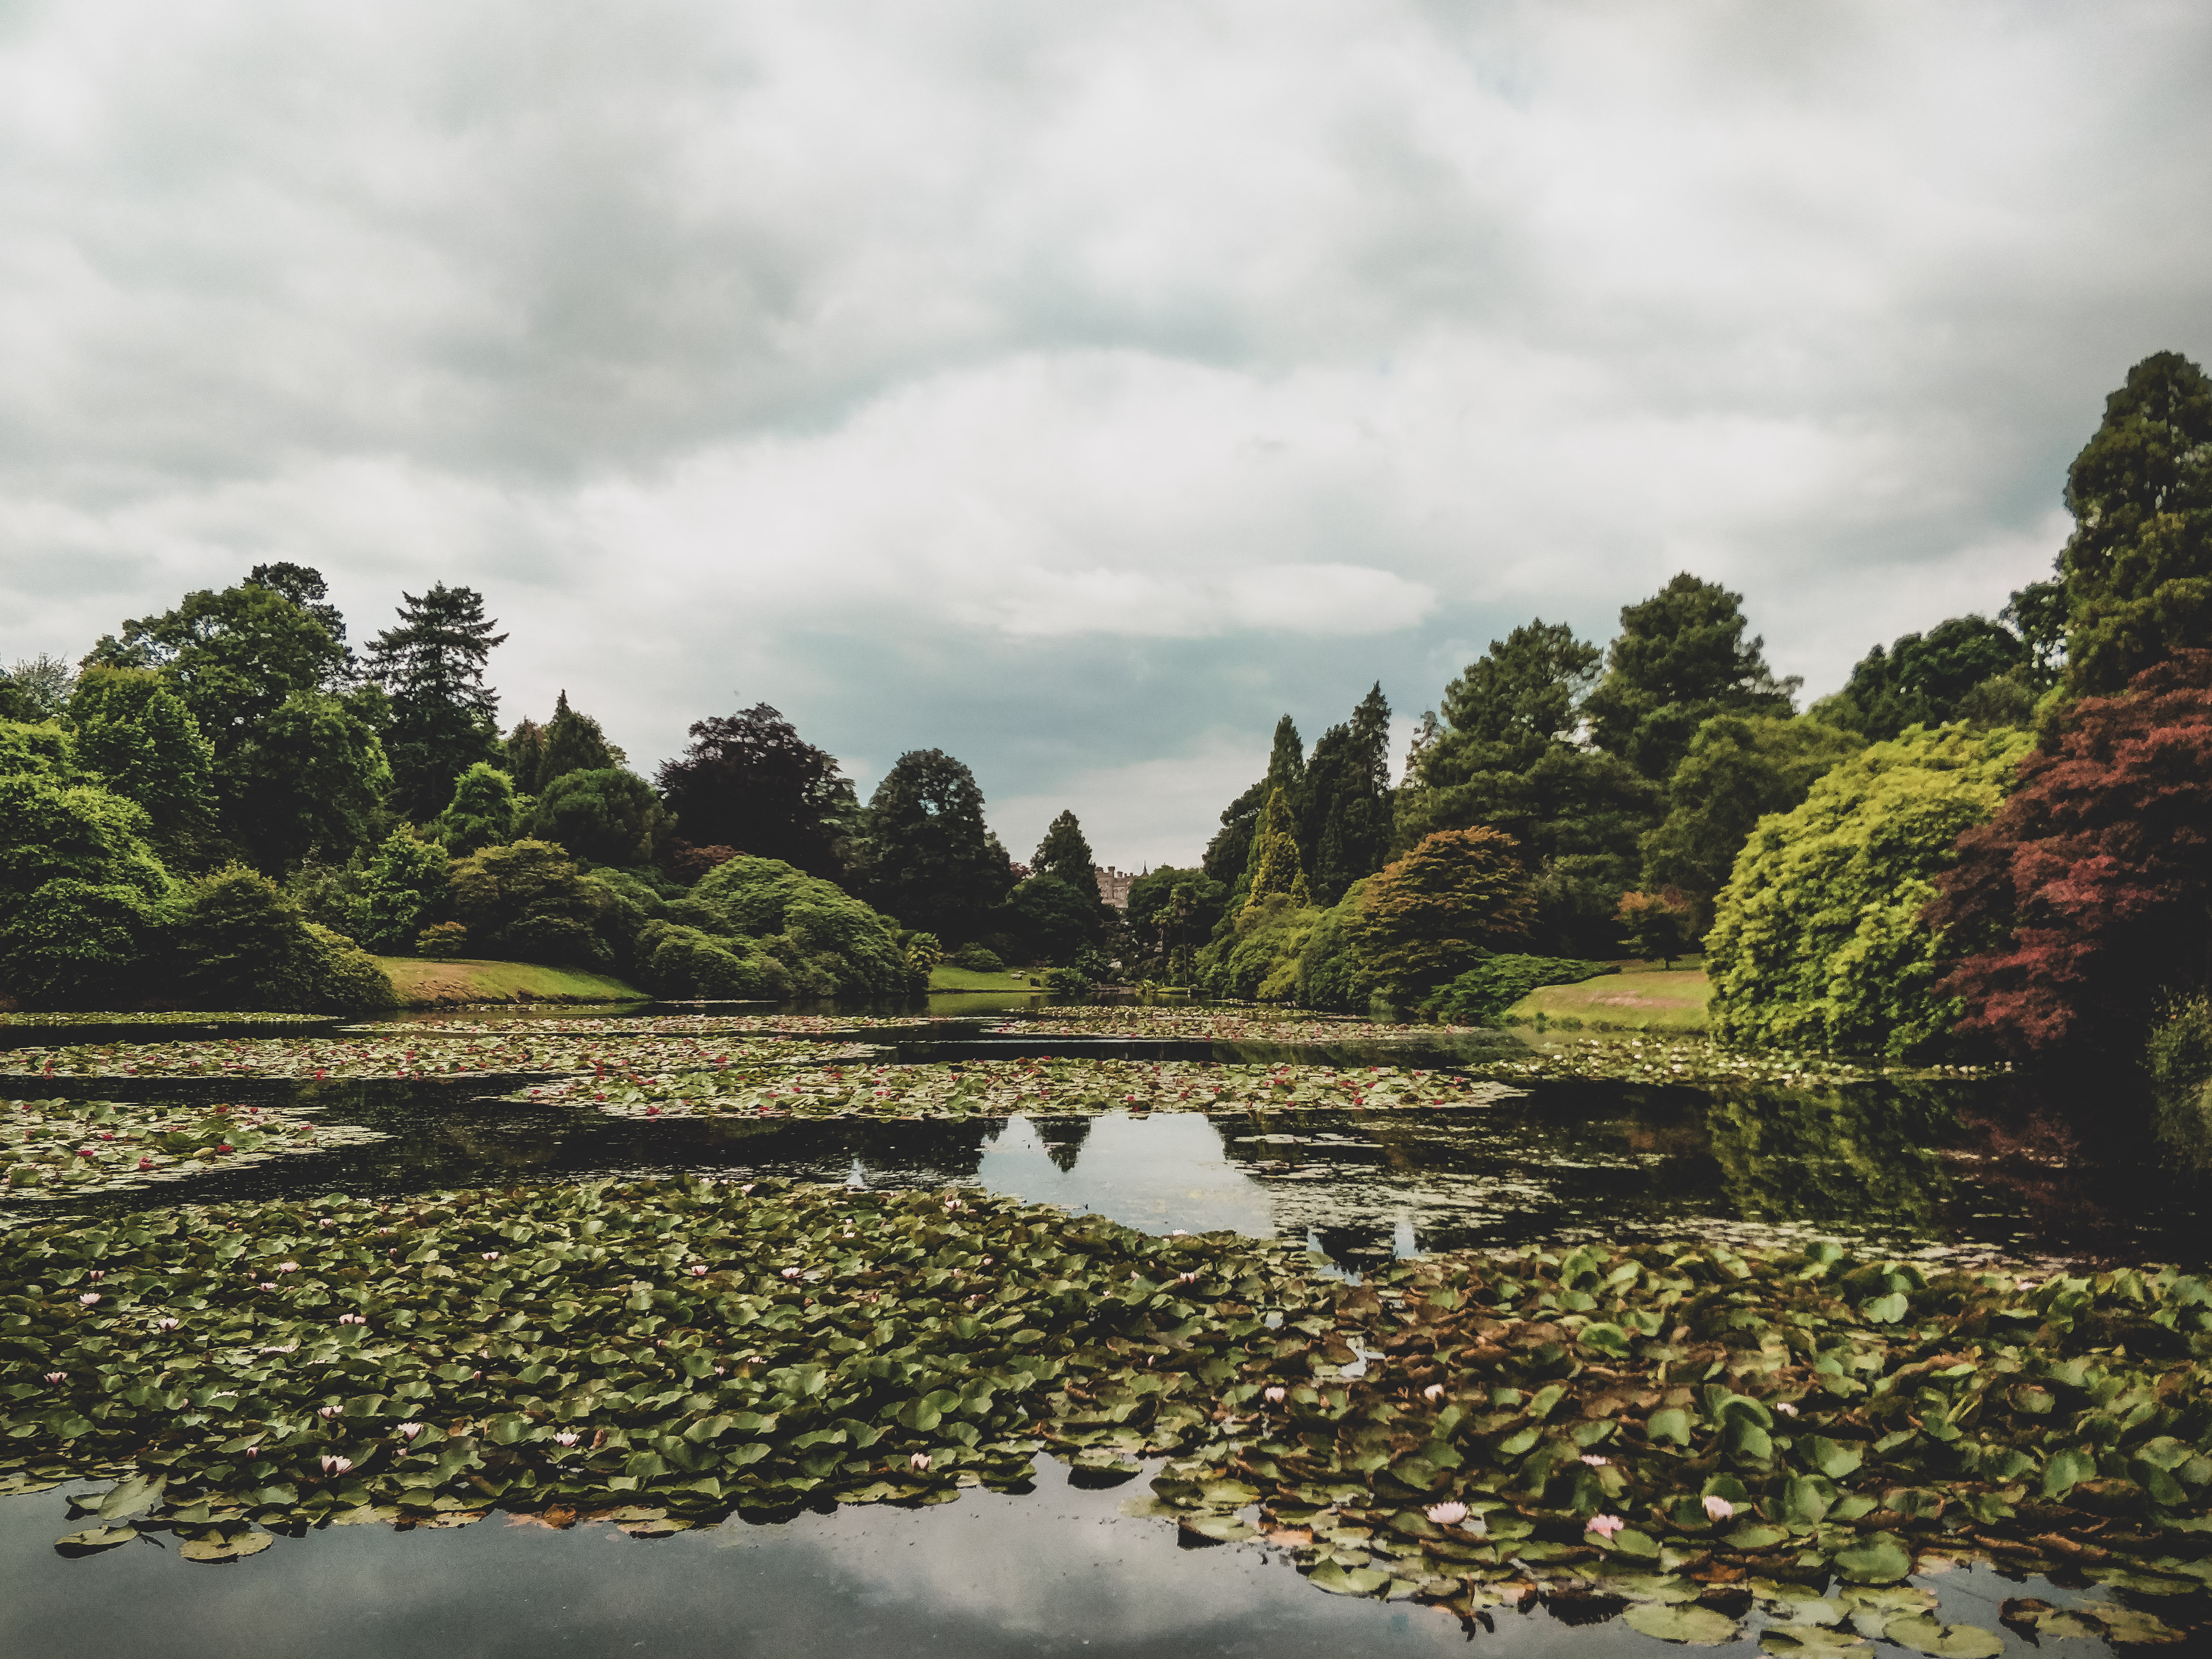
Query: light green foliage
[35, 690]
[527, 902]
[481, 813]
[405, 883]
[2180, 1047]
[42, 751]
[606, 816]
[2138, 567]
[442, 941]
[310, 778]
[1229, 854]
[1481, 995]
[1739, 770]
[1256, 956]
[1818, 940]
[1330, 971]
[83, 900]
[137, 738]
[241, 943]
[1276, 867]
[829, 942]
[1680, 659]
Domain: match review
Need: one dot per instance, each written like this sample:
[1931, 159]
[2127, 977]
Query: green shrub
[83, 901]
[442, 941]
[241, 944]
[1481, 995]
[608, 815]
[979, 959]
[2181, 1047]
[135, 735]
[527, 902]
[405, 883]
[43, 751]
[483, 812]
[682, 963]
[1818, 940]
[1331, 973]
[1256, 956]
[829, 942]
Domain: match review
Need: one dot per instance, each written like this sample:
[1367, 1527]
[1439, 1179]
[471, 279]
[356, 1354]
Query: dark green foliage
[1923, 679]
[535, 755]
[829, 942]
[83, 901]
[444, 717]
[1344, 825]
[931, 860]
[2037, 613]
[527, 902]
[1739, 770]
[1658, 926]
[241, 943]
[2138, 567]
[1049, 921]
[1066, 857]
[605, 816]
[1171, 909]
[137, 738]
[978, 960]
[405, 883]
[1680, 659]
[1578, 815]
[1520, 698]
[682, 963]
[1458, 895]
[481, 813]
[749, 781]
[1481, 995]
[309, 779]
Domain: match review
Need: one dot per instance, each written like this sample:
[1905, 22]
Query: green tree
[1276, 867]
[310, 778]
[444, 717]
[1170, 908]
[1818, 939]
[1344, 825]
[527, 902]
[829, 942]
[750, 781]
[1680, 659]
[1457, 895]
[535, 755]
[2138, 567]
[1659, 927]
[241, 944]
[2037, 613]
[1053, 922]
[930, 858]
[1739, 768]
[1229, 854]
[35, 688]
[84, 902]
[1925, 679]
[404, 886]
[1065, 855]
[140, 740]
[1519, 700]
[608, 816]
[483, 812]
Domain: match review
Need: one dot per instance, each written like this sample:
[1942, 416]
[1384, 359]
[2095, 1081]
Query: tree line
[1995, 839]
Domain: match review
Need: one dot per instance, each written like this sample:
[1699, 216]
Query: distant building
[1114, 884]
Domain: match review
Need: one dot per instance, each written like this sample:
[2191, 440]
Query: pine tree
[1064, 853]
[1680, 659]
[1276, 867]
[444, 717]
[1345, 832]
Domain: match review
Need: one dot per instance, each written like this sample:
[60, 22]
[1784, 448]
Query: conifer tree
[1066, 853]
[444, 717]
[1276, 867]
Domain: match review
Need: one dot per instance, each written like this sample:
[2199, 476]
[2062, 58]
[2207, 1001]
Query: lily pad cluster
[36, 1019]
[1206, 1022]
[62, 1148]
[544, 1048]
[1695, 1060]
[805, 1025]
[1001, 1087]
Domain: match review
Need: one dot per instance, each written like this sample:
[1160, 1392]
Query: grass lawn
[945, 977]
[1659, 1000]
[424, 984]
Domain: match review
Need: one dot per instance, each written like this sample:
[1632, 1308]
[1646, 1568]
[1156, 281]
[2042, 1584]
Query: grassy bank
[424, 984]
[1655, 1000]
[945, 977]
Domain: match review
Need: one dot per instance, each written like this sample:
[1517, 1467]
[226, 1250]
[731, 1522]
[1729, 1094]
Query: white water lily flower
[1276, 1396]
[1448, 1515]
[407, 1430]
[1719, 1509]
[920, 1459]
[1594, 1461]
[566, 1440]
[1434, 1391]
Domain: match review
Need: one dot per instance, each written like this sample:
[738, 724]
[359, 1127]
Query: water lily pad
[1700, 1626]
[1879, 1557]
[1924, 1634]
[1810, 1638]
[94, 1539]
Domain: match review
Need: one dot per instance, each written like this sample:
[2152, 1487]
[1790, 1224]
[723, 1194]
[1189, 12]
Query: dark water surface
[1980, 1169]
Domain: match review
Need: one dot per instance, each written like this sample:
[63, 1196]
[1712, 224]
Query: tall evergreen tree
[2138, 567]
[1680, 659]
[1064, 853]
[749, 781]
[1276, 867]
[569, 742]
[444, 717]
[1345, 829]
[1925, 679]
[931, 861]
[1520, 698]
[1230, 852]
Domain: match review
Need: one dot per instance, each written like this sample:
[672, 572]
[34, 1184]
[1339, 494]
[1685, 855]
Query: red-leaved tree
[2089, 896]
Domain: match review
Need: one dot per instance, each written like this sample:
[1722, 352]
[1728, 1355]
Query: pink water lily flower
[90, 1298]
[288, 1267]
[698, 1270]
[253, 1451]
[1719, 1509]
[97, 1273]
[1276, 1396]
[565, 1439]
[1434, 1391]
[791, 1272]
[56, 1376]
[328, 1411]
[335, 1465]
[491, 1256]
[1594, 1461]
[407, 1430]
[353, 1319]
[167, 1324]
[1605, 1526]
[1448, 1515]
[920, 1459]
[265, 1285]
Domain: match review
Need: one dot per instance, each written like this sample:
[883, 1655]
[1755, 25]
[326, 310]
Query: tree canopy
[444, 717]
[932, 860]
[1680, 659]
[749, 781]
[1066, 857]
[139, 739]
[1457, 895]
[1928, 679]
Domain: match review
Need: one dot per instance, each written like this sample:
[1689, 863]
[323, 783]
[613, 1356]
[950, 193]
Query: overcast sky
[1072, 388]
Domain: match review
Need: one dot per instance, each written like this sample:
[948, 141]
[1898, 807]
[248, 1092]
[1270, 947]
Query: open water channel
[1995, 1169]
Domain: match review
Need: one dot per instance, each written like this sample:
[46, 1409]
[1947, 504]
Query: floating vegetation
[417, 1052]
[1687, 1431]
[802, 1025]
[62, 1148]
[33, 1020]
[1000, 1088]
[1247, 1023]
[1690, 1059]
